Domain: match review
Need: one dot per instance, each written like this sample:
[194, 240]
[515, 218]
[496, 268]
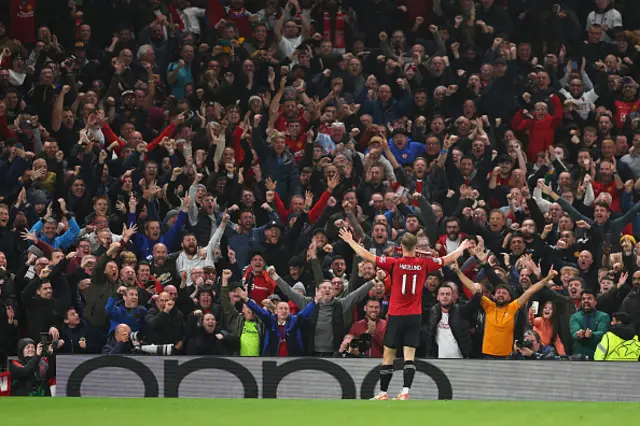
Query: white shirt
[452, 245]
[288, 45]
[447, 344]
[583, 103]
[611, 18]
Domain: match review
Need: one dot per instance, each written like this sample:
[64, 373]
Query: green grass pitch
[104, 411]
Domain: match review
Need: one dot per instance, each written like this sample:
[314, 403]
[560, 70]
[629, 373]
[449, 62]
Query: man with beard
[190, 258]
[162, 270]
[588, 325]
[450, 241]
[379, 240]
[501, 314]
[448, 323]
[371, 325]
[164, 323]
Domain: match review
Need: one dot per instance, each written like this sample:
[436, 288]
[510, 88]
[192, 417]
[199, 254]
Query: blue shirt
[184, 77]
[409, 153]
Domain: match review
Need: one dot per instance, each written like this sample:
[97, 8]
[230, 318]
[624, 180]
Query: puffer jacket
[459, 317]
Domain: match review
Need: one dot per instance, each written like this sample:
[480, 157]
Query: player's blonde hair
[409, 241]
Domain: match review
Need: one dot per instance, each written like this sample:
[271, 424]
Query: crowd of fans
[175, 173]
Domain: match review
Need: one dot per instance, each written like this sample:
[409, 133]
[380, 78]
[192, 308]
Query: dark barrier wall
[216, 377]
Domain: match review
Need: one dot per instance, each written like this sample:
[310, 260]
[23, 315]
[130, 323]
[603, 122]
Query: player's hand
[346, 236]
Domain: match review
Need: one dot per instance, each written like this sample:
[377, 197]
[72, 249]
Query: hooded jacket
[618, 344]
[29, 374]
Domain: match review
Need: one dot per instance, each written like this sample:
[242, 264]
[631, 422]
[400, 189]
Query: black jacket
[164, 328]
[631, 305]
[117, 348]
[459, 317]
[29, 375]
[204, 343]
[42, 313]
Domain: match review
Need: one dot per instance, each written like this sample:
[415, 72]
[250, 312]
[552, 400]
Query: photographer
[30, 373]
[531, 348]
[120, 341]
[352, 347]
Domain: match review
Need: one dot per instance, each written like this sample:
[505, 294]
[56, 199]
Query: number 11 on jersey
[404, 284]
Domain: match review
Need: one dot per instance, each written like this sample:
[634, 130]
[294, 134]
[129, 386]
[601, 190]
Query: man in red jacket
[541, 125]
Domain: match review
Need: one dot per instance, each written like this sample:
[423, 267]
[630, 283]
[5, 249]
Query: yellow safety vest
[613, 348]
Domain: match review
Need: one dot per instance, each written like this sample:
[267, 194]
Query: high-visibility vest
[613, 348]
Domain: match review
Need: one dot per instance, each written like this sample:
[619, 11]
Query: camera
[363, 344]
[137, 340]
[45, 341]
[154, 349]
[524, 344]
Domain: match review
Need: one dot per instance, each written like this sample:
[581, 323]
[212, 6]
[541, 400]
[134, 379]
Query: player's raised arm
[346, 236]
[546, 281]
[454, 255]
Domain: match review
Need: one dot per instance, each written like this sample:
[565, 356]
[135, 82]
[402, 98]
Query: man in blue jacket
[283, 336]
[123, 309]
[153, 231]
[46, 229]
[384, 109]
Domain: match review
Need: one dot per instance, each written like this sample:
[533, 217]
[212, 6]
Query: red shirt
[360, 327]
[599, 187]
[22, 21]
[282, 349]
[281, 123]
[262, 286]
[408, 275]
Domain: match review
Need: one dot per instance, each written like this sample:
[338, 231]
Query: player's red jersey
[408, 275]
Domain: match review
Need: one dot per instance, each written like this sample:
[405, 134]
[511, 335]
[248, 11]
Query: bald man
[119, 343]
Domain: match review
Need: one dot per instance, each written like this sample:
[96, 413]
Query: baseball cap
[398, 132]
[273, 224]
